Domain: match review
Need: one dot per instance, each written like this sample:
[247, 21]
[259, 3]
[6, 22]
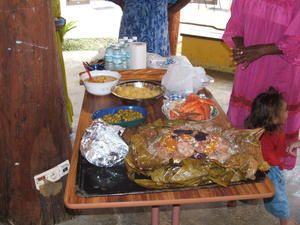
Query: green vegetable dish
[123, 115]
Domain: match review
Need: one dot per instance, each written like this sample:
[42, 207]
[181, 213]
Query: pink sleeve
[289, 44]
[234, 27]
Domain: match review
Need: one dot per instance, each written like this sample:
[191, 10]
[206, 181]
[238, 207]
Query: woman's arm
[177, 6]
[288, 47]
[118, 2]
[234, 32]
[238, 42]
[246, 55]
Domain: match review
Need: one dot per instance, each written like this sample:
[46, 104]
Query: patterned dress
[148, 20]
[264, 22]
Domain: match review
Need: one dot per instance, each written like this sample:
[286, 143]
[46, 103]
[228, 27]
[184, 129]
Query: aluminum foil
[102, 144]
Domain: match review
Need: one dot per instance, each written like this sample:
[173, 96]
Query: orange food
[169, 143]
[101, 79]
[174, 114]
[189, 106]
[194, 108]
[192, 97]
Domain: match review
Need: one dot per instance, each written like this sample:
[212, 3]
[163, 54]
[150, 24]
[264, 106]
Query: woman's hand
[246, 55]
[292, 148]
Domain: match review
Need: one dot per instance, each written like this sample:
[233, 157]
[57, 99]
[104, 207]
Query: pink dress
[265, 22]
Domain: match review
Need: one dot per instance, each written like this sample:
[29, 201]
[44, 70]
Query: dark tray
[99, 181]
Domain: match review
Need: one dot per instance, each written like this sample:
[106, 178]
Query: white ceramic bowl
[100, 88]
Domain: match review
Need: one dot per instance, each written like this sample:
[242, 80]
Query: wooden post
[34, 132]
[174, 21]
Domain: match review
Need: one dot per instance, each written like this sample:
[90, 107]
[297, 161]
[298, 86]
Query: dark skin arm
[177, 7]
[246, 55]
[238, 42]
[119, 3]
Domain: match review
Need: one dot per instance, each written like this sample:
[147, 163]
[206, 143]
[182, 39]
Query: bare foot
[288, 222]
[231, 203]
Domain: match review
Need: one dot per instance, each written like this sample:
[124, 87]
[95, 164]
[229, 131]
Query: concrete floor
[200, 214]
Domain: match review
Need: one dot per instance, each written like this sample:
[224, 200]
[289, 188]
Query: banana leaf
[148, 169]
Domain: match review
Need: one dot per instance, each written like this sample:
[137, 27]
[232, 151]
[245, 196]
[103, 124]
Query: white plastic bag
[183, 78]
[156, 61]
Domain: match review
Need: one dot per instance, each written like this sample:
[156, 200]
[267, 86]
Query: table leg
[176, 215]
[155, 215]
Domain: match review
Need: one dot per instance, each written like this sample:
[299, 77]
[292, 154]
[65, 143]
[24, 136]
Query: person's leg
[287, 222]
[278, 205]
[231, 204]
[284, 221]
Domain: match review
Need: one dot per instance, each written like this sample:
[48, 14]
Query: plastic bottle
[125, 39]
[123, 52]
[134, 38]
[128, 53]
[117, 58]
[108, 57]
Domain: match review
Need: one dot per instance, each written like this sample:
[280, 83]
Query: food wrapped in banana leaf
[168, 154]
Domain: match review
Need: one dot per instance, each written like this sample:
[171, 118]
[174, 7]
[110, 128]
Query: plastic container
[134, 38]
[128, 56]
[96, 66]
[108, 57]
[117, 58]
[125, 39]
[123, 52]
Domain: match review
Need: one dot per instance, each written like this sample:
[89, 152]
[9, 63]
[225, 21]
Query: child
[269, 111]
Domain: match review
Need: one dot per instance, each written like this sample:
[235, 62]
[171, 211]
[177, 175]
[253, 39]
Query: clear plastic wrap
[185, 79]
[189, 153]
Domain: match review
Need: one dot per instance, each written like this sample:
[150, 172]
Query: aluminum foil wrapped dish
[177, 153]
[102, 145]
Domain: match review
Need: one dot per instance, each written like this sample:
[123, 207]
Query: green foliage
[69, 26]
[86, 44]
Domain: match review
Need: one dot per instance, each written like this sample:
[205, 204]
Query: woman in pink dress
[265, 37]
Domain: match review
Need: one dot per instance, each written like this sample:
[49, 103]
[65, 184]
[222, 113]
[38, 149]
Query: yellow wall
[207, 52]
